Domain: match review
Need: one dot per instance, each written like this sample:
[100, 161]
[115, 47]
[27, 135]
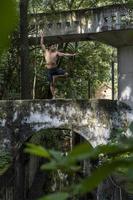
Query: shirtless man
[51, 55]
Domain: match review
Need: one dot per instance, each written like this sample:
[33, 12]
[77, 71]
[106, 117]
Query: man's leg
[54, 79]
[52, 88]
[57, 77]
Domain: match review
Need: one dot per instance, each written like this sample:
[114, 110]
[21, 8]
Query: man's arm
[42, 41]
[65, 54]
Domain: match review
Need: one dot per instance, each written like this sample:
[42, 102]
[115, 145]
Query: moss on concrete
[5, 161]
[95, 120]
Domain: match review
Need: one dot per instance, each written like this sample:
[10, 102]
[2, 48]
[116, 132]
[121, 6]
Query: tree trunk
[24, 51]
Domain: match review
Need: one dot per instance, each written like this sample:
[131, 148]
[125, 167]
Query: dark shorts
[54, 72]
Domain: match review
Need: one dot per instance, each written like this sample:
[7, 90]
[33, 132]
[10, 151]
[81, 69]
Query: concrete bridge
[112, 25]
[94, 120]
[97, 121]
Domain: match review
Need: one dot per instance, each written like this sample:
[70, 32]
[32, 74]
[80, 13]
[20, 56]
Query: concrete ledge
[94, 119]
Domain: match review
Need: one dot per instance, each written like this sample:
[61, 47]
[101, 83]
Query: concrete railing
[85, 21]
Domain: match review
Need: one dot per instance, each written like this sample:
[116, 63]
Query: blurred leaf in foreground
[100, 174]
[37, 150]
[8, 21]
[57, 196]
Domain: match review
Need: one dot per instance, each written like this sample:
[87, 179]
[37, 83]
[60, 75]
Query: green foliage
[113, 157]
[60, 196]
[87, 71]
[8, 19]
[37, 150]
[47, 5]
[92, 66]
[9, 73]
[5, 160]
[8, 23]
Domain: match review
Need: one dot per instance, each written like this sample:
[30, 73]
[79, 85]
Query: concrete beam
[112, 25]
[114, 38]
[61, 39]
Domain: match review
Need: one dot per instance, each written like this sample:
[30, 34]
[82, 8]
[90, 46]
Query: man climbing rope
[51, 55]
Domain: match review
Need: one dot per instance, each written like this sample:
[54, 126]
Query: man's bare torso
[51, 58]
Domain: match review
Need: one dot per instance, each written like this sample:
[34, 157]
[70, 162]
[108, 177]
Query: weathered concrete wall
[92, 119]
[104, 24]
[125, 76]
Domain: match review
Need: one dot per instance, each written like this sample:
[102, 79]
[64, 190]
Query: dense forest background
[89, 70]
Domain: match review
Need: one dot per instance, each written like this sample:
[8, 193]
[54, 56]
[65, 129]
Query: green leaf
[112, 150]
[80, 152]
[56, 196]
[37, 150]
[83, 151]
[8, 21]
[100, 174]
[56, 155]
[50, 166]
[63, 165]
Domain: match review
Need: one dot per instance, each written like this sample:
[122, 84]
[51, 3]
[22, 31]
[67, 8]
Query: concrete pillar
[125, 74]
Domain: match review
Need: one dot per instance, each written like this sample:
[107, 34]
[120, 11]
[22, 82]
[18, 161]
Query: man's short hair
[52, 46]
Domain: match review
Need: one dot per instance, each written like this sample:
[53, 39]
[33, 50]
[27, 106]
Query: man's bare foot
[55, 94]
